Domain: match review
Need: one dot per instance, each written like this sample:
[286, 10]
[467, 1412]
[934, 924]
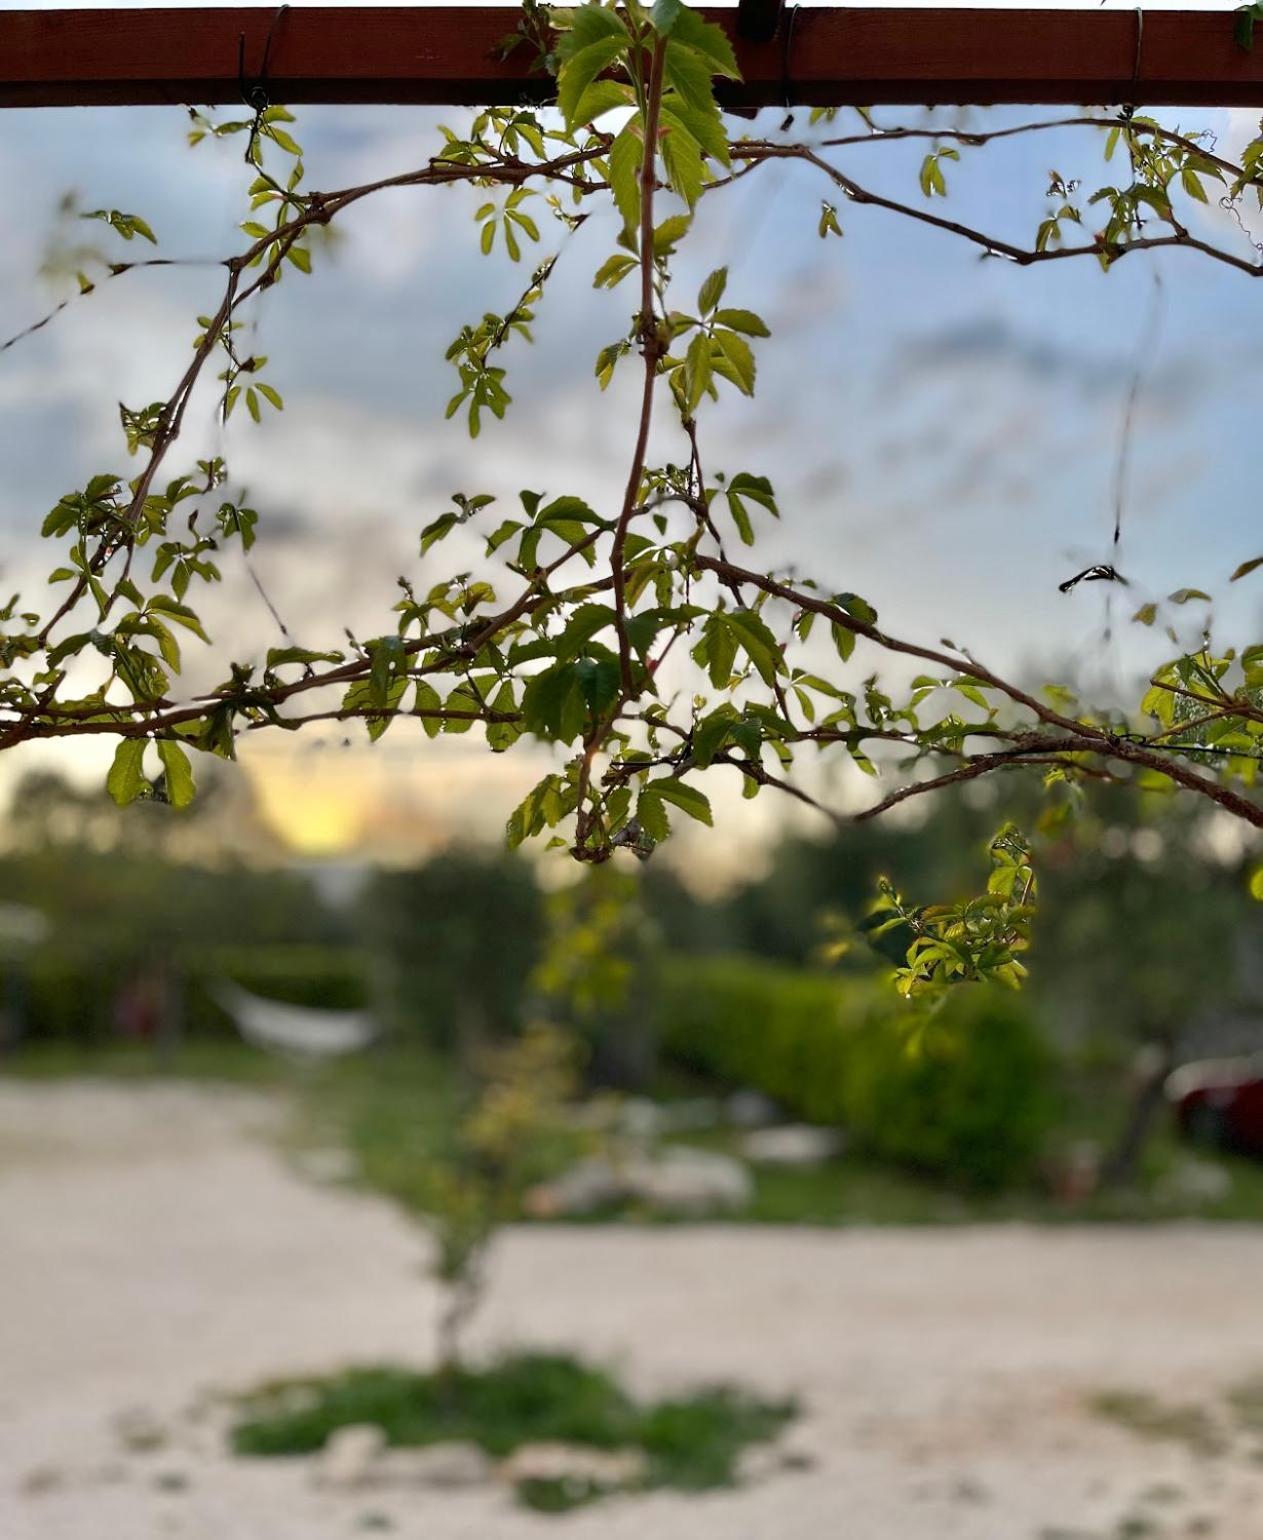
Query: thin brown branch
[651, 350]
[993, 245]
[1086, 736]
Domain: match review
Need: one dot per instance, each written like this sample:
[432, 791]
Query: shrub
[68, 995]
[969, 1100]
[325, 978]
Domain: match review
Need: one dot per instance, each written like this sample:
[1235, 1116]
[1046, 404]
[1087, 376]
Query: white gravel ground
[155, 1249]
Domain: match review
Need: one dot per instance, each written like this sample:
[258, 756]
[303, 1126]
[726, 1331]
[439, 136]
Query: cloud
[989, 347]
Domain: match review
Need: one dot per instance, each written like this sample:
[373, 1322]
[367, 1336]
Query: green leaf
[758, 643]
[687, 798]
[599, 680]
[625, 156]
[180, 785]
[600, 97]
[742, 321]
[682, 157]
[1256, 883]
[553, 704]
[708, 40]
[502, 735]
[613, 270]
[690, 76]
[741, 519]
[504, 532]
[861, 609]
[591, 24]
[737, 352]
[1246, 568]
[697, 371]
[1192, 185]
[652, 815]
[828, 224]
[843, 640]
[703, 127]
[665, 14]
[1187, 595]
[436, 531]
[277, 656]
[125, 781]
[669, 232]
[181, 614]
[717, 650]
[581, 68]
[285, 141]
[712, 291]
[365, 696]
[427, 700]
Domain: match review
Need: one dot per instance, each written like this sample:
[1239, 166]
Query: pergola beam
[837, 56]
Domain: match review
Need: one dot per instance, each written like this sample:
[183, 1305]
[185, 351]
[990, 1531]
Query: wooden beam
[839, 55]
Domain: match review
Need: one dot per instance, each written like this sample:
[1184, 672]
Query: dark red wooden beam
[839, 55]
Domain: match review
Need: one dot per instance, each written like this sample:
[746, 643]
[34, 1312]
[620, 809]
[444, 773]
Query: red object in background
[1219, 1102]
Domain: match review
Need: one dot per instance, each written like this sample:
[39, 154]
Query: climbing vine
[565, 640]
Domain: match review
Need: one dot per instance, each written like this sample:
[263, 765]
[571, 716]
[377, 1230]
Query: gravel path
[154, 1249]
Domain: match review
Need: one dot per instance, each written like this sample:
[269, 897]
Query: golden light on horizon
[315, 810]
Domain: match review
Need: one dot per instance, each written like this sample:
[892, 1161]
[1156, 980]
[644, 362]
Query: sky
[942, 431]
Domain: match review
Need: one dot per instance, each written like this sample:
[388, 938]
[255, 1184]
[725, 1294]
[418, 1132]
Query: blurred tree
[597, 970]
[223, 825]
[517, 1115]
[459, 937]
[1141, 943]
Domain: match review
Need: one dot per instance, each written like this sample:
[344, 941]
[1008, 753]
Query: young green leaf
[179, 773]
[125, 781]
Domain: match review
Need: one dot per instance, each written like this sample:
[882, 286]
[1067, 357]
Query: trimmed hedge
[970, 1104]
[69, 996]
[327, 978]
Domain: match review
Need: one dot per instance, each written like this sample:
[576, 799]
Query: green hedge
[69, 996]
[327, 978]
[972, 1104]
[65, 999]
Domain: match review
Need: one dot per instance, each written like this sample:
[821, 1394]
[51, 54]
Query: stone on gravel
[585, 1187]
[751, 1109]
[792, 1144]
[1196, 1181]
[685, 1181]
[575, 1462]
[680, 1180]
[139, 1431]
[453, 1463]
[348, 1457]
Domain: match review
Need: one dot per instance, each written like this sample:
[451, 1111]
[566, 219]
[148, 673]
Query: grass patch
[1147, 1417]
[225, 1061]
[1245, 1402]
[689, 1443]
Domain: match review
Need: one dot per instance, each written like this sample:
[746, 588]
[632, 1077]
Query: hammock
[298, 1030]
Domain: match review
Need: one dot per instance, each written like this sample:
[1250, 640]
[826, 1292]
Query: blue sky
[942, 431]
